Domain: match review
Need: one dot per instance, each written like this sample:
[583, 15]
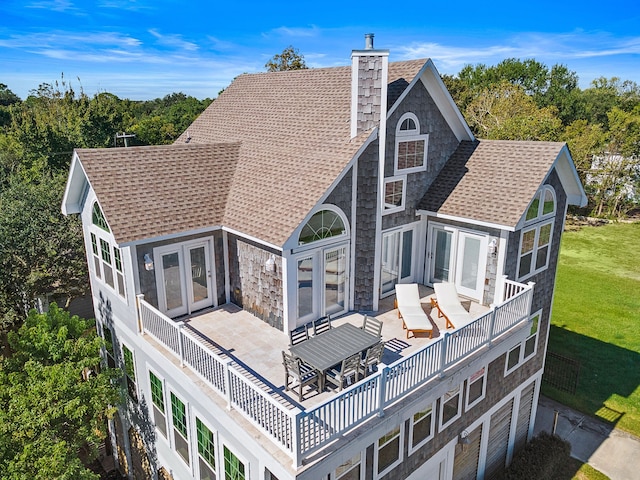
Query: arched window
[535, 241]
[98, 219]
[411, 146]
[323, 224]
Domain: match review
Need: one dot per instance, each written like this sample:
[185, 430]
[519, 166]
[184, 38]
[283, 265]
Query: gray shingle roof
[293, 139]
[491, 181]
[155, 191]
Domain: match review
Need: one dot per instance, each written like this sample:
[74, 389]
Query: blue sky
[142, 49]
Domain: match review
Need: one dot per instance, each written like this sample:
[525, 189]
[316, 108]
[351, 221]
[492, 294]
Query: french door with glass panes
[458, 256]
[322, 277]
[183, 277]
[396, 265]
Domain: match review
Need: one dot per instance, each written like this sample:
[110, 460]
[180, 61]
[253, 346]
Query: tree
[289, 59]
[42, 251]
[505, 112]
[54, 401]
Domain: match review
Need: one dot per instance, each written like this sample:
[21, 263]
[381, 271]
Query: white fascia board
[292, 241]
[170, 236]
[74, 187]
[569, 178]
[470, 221]
[431, 80]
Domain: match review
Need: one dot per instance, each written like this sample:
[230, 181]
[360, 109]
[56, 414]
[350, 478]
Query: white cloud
[310, 31]
[173, 40]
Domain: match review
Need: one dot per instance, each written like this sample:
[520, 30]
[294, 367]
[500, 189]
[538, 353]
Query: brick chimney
[369, 75]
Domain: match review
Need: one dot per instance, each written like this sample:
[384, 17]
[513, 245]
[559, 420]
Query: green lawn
[596, 320]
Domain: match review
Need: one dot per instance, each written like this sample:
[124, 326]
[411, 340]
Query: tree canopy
[54, 400]
[289, 59]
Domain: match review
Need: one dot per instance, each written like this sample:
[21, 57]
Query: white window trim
[106, 237]
[442, 426]
[406, 136]
[221, 471]
[334, 475]
[413, 448]
[543, 216]
[136, 380]
[173, 429]
[394, 208]
[521, 358]
[167, 406]
[376, 451]
[534, 251]
[484, 389]
[216, 439]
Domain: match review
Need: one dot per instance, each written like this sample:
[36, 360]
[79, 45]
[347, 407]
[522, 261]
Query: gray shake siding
[441, 144]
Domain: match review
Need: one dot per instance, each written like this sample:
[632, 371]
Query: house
[308, 193]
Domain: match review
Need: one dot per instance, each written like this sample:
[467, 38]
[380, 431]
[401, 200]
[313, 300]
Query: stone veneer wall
[252, 287]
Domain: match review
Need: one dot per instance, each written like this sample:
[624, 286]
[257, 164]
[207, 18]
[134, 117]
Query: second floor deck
[239, 357]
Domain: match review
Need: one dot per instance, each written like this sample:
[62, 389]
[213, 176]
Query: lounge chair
[410, 309]
[449, 306]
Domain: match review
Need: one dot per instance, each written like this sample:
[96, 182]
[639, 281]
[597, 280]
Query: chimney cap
[368, 41]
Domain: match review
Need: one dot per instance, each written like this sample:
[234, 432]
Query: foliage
[540, 459]
[289, 59]
[596, 312]
[42, 251]
[49, 411]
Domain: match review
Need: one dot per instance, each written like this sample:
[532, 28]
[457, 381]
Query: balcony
[239, 358]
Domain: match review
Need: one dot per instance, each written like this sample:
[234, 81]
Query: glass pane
[421, 426]
[475, 390]
[390, 260]
[407, 250]
[172, 284]
[450, 409]
[530, 346]
[549, 205]
[443, 255]
[525, 264]
[528, 238]
[541, 257]
[393, 194]
[108, 274]
[233, 467]
[323, 224]
[388, 454]
[470, 259]
[532, 212]
[199, 274]
[335, 269]
[513, 358]
[305, 287]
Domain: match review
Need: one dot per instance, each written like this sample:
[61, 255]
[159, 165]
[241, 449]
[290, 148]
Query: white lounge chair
[449, 306]
[410, 310]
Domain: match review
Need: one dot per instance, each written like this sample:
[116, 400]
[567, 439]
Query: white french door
[322, 281]
[183, 277]
[458, 256]
[396, 265]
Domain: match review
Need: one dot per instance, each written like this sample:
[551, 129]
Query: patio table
[330, 348]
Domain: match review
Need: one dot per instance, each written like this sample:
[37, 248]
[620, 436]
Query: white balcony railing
[301, 432]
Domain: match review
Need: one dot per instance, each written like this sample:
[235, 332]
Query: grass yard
[596, 321]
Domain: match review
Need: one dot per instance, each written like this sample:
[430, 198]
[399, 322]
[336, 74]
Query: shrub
[539, 460]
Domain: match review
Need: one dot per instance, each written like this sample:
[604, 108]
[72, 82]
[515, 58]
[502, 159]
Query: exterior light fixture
[148, 262]
[270, 264]
[493, 247]
[464, 438]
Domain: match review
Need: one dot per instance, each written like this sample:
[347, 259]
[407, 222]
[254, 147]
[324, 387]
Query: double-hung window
[130, 373]
[450, 407]
[206, 451]
[389, 451]
[525, 350]
[180, 427]
[421, 428]
[157, 399]
[535, 241]
[476, 387]
[107, 258]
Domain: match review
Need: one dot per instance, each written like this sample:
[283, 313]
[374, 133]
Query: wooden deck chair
[448, 304]
[298, 335]
[301, 373]
[372, 325]
[349, 367]
[410, 310]
[371, 358]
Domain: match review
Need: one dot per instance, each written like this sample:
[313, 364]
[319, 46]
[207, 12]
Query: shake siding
[441, 144]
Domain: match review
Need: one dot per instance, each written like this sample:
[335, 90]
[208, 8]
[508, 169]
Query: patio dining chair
[321, 325]
[371, 359]
[301, 373]
[298, 335]
[348, 368]
[372, 325]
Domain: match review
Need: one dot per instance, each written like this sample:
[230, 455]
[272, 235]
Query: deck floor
[256, 347]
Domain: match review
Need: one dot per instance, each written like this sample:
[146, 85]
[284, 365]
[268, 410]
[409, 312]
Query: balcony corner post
[492, 325]
[139, 298]
[296, 441]
[227, 383]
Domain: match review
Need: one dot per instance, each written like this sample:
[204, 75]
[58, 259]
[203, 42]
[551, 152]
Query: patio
[255, 347]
